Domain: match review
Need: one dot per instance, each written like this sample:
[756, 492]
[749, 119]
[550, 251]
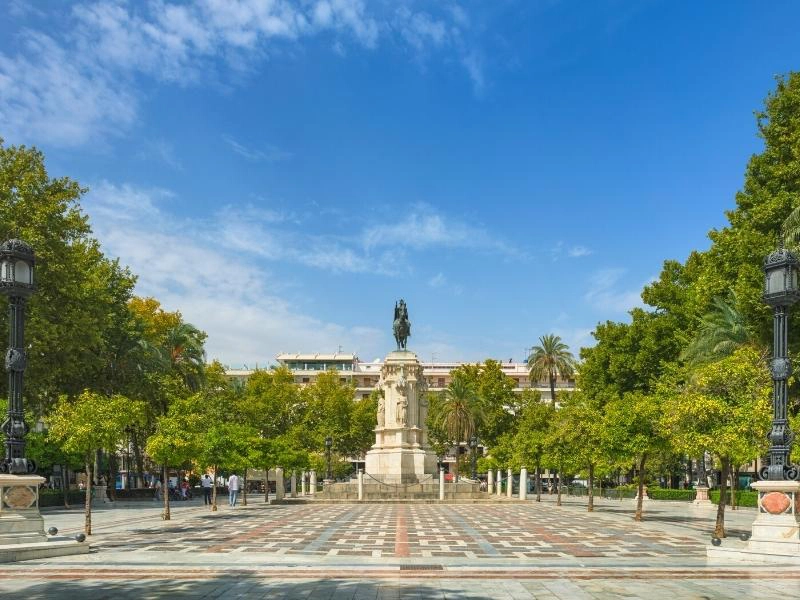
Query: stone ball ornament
[52, 531]
[80, 537]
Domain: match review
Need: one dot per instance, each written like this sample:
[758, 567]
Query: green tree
[551, 359]
[721, 331]
[458, 412]
[632, 431]
[530, 440]
[725, 410]
[90, 423]
[582, 426]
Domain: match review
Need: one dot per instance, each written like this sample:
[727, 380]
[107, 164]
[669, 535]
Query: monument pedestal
[701, 498]
[776, 530]
[400, 453]
[22, 535]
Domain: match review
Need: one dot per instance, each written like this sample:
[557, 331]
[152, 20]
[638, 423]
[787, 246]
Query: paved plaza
[398, 551]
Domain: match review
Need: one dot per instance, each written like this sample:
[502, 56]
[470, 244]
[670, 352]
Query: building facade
[365, 375]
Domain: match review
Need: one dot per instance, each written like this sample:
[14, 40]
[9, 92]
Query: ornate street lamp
[16, 281]
[328, 445]
[473, 444]
[780, 292]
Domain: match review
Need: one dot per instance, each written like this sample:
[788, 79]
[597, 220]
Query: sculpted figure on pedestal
[402, 408]
[381, 411]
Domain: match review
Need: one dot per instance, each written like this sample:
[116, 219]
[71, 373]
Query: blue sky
[283, 171]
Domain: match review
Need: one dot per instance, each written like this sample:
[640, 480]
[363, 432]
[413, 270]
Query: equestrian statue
[402, 326]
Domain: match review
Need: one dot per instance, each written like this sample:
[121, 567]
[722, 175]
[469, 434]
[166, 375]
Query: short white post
[360, 484]
[312, 483]
[490, 481]
[303, 490]
[441, 485]
[499, 482]
[523, 484]
[278, 484]
[293, 485]
[510, 488]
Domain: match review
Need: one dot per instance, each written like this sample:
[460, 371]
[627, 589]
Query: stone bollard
[499, 483]
[278, 484]
[303, 490]
[510, 488]
[312, 483]
[441, 485]
[293, 485]
[360, 484]
[490, 481]
[523, 484]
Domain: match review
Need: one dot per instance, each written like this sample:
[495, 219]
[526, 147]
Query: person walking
[157, 496]
[206, 483]
[233, 488]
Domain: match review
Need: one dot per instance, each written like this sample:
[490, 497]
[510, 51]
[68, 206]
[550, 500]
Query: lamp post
[16, 281]
[780, 292]
[328, 445]
[473, 444]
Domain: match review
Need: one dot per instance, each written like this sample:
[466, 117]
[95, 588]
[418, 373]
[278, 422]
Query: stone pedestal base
[702, 499]
[776, 530]
[22, 535]
[400, 465]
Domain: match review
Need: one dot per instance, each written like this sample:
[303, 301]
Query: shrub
[56, 497]
[743, 497]
[667, 494]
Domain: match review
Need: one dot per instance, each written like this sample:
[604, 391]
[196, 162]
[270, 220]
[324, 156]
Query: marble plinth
[22, 535]
[401, 453]
[776, 530]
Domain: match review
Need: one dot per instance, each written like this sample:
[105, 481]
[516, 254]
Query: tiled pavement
[398, 551]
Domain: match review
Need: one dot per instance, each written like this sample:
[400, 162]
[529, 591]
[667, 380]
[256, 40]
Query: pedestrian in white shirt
[206, 482]
[233, 488]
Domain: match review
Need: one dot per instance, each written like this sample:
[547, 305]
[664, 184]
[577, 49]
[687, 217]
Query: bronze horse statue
[402, 326]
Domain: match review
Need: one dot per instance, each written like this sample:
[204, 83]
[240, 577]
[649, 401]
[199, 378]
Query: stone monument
[401, 453]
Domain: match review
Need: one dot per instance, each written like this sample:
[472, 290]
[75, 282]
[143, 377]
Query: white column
[523, 484]
[278, 483]
[441, 484]
[312, 483]
[360, 484]
[303, 490]
[293, 485]
[499, 482]
[510, 488]
[490, 481]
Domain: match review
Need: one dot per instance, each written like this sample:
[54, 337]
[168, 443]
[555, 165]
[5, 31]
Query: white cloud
[81, 86]
[437, 280]
[424, 228]
[604, 292]
[269, 154]
[225, 293]
[579, 251]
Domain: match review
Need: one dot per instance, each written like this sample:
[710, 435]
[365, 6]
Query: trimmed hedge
[667, 494]
[56, 497]
[743, 498]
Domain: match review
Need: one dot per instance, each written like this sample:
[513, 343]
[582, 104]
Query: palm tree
[551, 358]
[722, 330]
[184, 355]
[459, 412]
[790, 231]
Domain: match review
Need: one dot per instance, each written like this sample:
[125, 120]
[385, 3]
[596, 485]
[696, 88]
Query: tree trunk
[552, 389]
[111, 477]
[87, 522]
[165, 490]
[455, 470]
[244, 488]
[719, 527]
[640, 498]
[214, 492]
[734, 488]
[65, 485]
[137, 454]
[266, 485]
[558, 486]
[590, 508]
[538, 482]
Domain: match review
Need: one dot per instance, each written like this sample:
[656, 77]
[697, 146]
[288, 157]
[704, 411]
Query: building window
[305, 379]
[440, 382]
